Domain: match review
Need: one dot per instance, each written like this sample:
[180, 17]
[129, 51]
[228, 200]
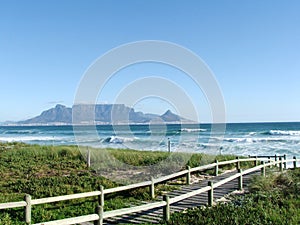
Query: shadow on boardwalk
[156, 215]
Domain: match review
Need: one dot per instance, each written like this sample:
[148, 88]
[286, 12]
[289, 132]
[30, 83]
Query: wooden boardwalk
[156, 215]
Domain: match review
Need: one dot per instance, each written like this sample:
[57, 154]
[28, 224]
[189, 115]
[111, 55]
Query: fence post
[276, 165]
[216, 168]
[152, 188]
[166, 209]
[169, 145]
[255, 162]
[188, 175]
[280, 164]
[295, 162]
[240, 179]
[284, 157]
[263, 169]
[237, 163]
[269, 161]
[101, 196]
[28, 209]
[99, 212]
[88, 157]
[210, 194]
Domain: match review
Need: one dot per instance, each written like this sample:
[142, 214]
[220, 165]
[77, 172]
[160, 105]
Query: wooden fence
[99, 214]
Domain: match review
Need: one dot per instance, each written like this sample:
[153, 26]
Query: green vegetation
[45, 171]
[273, 200]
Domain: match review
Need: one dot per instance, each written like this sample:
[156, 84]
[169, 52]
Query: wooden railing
[99, 214]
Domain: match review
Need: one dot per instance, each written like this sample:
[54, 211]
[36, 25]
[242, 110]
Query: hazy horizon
[200, 122]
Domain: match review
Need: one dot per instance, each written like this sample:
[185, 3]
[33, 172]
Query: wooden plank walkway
[156, 215]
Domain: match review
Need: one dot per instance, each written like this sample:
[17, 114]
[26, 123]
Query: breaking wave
[117, 140]
[260, 139]
[284, 132]
[192, 130]
[26, 138]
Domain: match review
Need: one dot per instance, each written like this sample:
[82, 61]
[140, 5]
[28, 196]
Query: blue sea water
[239, 138]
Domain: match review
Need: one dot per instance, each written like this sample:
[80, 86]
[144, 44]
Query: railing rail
[100, 215]
[11, 205]
[64, 198]
[74, 220]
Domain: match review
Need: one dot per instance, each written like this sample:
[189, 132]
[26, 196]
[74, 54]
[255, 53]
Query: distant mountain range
[85, 114]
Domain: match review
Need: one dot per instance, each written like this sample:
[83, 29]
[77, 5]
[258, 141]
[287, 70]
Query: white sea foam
[117, 140]
[26, 138]
[261, 139]
[19, 132]
[248, 140]
[285, 132]
[193, 130]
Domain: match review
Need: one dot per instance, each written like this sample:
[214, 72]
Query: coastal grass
[45, 171]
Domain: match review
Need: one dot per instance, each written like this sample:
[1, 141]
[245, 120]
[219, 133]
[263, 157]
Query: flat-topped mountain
[100, 114]
[59, 114]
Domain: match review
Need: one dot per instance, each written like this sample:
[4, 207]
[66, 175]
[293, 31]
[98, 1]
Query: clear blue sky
[253, 48]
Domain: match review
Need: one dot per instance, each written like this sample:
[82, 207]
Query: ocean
[239, 138]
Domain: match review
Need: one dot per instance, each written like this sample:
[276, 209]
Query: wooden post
[280, 164]
[240, 180]
[28, 209]
[210, 194]
[169, 145]
[99, 212]
[263, 169]
[152, 188]
[284, 157]
[188, 175]
[269, 161]
[166, 209]
[101, 197]
[100, 207]
[295, 162]
[216, 168]
[88, 157]
[255, 162]
[276, 165]
[238, 166]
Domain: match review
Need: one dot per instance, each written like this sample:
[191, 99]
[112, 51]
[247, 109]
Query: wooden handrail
[74, 220]
[11, 205]
[65, 197]
[127, 187]
[266, 156]
[188, 195]
[171, 176]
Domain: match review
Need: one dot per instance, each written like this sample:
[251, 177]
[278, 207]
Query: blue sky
[252, 47]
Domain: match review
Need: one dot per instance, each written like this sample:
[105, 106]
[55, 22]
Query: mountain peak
[168, 116]
[60, 106]
[168, 112]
